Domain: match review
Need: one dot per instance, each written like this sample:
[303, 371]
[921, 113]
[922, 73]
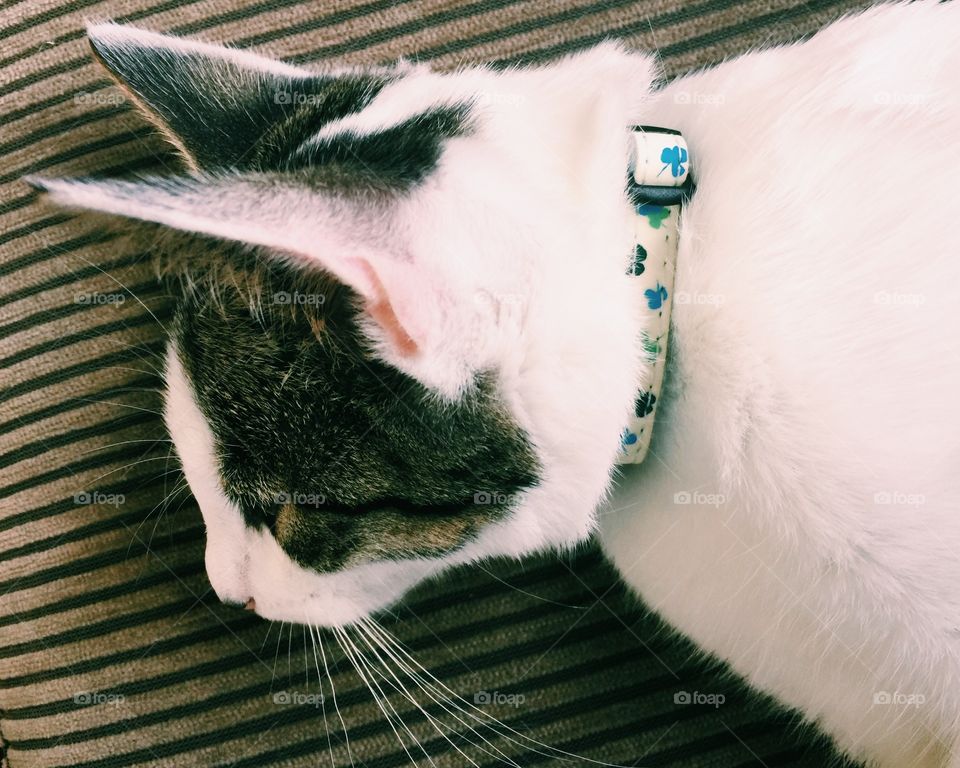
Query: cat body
[800, 514]
[461, 392]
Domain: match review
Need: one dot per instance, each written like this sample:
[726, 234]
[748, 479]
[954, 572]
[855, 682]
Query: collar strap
[658, 182]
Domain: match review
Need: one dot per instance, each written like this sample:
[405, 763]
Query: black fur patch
[344, 458]
[227, 115]
[396, 157]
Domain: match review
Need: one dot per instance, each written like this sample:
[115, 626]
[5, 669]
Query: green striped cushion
[113, 649]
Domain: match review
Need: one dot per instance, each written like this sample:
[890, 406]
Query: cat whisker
[333, 693]
[483, 718]
[445, 703]
[156, 390]
[372, 644]
[412, 665]
[358, 666]
[127, 290]
[289, 653]
[269, 630]
[494, 576]
[127, 466]
[163, 504]
[394, 682]
[323, 703]
[125, 442]
[276, 655]
[120, 405]
[148, 355]
[147, 358]
[306, 662]
[156, 373]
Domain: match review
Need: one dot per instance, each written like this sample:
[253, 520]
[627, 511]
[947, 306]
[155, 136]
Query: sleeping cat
[406, 340]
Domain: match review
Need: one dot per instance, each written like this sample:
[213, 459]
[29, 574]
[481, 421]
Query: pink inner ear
[381, 309]
[387, 319]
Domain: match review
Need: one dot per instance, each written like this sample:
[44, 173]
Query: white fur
[816, 357]
[815, 374]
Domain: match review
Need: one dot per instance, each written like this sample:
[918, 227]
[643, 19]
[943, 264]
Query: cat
[405, 341]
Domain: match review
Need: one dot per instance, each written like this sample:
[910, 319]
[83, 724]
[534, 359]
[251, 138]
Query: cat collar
[657, 184]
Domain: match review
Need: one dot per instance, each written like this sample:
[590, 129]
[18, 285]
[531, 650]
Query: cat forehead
[403, 114]
[415, 90]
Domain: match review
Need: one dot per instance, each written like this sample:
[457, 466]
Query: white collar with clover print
[659, 181]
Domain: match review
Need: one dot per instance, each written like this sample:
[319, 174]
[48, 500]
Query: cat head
[404, 339]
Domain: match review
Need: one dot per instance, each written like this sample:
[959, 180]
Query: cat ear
[308, 230]
[214, 103]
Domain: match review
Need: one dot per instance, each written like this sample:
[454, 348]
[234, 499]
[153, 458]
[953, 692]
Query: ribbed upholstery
[113, 649]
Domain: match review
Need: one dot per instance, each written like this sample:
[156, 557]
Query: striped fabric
[113, 649]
